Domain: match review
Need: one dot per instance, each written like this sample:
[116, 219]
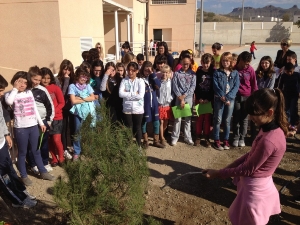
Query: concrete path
[264, 50]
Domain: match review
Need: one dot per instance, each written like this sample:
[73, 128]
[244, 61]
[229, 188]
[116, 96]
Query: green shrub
[106, 186]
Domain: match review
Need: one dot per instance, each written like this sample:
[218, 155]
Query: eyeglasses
[83, 77]
[284, 44]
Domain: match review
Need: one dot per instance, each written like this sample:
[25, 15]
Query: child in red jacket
[252, 48]
[55, 144]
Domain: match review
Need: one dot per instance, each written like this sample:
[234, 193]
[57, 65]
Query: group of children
[48, 111]
[224, 81]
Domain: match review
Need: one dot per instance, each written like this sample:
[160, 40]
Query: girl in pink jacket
[257, 197]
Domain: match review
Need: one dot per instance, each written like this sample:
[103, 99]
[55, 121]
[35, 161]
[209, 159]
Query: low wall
[260, 32]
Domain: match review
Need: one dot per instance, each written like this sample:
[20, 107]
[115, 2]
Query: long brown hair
[66, 64]
[260, 72]
[264, 99]
[117, 76]
[145, 64]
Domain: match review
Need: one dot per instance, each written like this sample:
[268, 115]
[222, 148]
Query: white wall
[229, 32]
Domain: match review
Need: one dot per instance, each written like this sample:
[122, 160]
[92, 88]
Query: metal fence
[139, 47]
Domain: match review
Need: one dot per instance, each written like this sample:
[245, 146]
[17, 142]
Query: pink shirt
[248, 83]
[25, 110]
[266, 153]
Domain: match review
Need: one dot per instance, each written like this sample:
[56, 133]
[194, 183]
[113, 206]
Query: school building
[44, 32]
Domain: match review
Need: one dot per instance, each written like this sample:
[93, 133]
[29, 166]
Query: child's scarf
[81, 87]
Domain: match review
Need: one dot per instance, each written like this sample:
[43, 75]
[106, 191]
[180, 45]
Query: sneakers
[70, 149]
[226, 145]
[27, 203]
[48, 168]
[32, 197]
[67, 155]
[75, 158]
[238, 143]
[189, 142]
[47, 176]
[217, 145]
[235, 143]
[26, 181]
[173, 143]
[35, 170]
[242, 143]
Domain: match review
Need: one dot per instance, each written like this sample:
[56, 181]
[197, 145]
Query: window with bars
[163, 2]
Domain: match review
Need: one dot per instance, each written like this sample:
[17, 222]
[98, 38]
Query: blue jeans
[222, 111]
[76, 142]
[44, 149]
[28, 137]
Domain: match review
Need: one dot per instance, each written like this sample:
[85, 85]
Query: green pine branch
[106, 186]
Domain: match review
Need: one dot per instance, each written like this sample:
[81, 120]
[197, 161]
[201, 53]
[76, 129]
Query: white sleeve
[104, 82]
[10, 96]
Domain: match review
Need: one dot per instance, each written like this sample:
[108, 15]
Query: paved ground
[265, 50]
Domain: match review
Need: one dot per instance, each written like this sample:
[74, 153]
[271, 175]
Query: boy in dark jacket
[289, 84]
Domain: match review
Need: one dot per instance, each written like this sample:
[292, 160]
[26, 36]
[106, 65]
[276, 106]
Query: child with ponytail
[257, 197]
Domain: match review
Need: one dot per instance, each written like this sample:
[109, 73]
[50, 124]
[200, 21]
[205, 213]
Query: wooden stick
[180, 177]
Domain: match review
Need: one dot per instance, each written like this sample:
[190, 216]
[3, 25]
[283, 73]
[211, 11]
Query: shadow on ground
[219, 191]
[44, 213]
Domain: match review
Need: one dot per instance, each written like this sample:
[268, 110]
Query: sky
[226, 6]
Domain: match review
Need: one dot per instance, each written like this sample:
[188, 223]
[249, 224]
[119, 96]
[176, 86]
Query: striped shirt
[25, 110]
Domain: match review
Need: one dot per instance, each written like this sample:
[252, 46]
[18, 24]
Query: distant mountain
[267, 11]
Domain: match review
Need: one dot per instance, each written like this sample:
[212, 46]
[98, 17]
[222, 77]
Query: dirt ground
[192, 199]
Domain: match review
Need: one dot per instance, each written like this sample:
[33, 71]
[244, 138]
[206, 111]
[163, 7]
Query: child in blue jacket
[152, 84]
[225, 84]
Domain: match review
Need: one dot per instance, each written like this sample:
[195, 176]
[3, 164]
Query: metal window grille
[162, 2]
[86, 43]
